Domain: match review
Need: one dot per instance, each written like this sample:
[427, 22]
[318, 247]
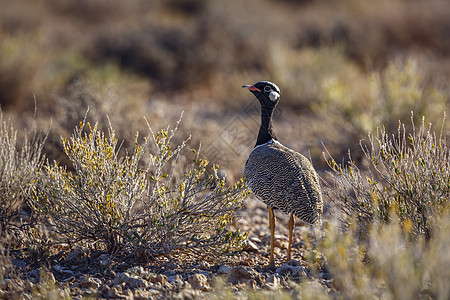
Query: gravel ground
[78, 272]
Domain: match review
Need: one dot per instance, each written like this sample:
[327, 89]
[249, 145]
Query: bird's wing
[285, 179]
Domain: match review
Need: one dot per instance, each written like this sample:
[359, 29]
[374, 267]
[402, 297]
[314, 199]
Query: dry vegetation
[101, 192]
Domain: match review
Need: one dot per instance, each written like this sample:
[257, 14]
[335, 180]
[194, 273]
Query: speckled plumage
[285, 179]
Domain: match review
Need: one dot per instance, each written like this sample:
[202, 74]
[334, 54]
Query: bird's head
[268, 93]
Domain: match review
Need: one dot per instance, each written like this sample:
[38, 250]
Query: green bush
[407, 174]
[122, 203]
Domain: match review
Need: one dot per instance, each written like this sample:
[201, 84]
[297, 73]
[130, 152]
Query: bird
[279, 176]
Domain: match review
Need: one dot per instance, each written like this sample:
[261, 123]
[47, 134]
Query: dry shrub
[20, 167]
[407, 174]
[389, 265]
[126, 205]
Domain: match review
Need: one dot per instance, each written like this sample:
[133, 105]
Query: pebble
[281, 244]
[19, 263]
[73, 255]
[239, 275]
[104, 259]
[89, 282]
[291, 267]
[130, 281]
[160, 279]
[224, 270]
[272, 282]
[300, 272]
[176, 280]
[171, 265]
[116, 293]
[63, 271]
[251, 247]
[255, 239]
[199, 282]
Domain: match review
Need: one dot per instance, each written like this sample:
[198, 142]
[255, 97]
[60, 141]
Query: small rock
[18, 263]
[171, 265]
[186, 285]
[284, 269]
[89, 282]
[168, 286]
[199, 282]
[290, 267]
[224, 269]
[160, 278]
[146, 294]
[203, 265]
[281, 237]
[111, 274]
[137, 270]
[249, 261]
[272, 282]
[280, 241]
[129, 280]
[75, 254]
[128, 294]
[293, 262]
[254, 239]
[300, 272]
[251, 247]
[104, 259]
[176, 280]
[104, 289]
[63, 271]
[115, 293]
[34, 275]
[239, 275]
[281, 244]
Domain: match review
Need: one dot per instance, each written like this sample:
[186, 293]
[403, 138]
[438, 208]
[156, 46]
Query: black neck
[266, 129]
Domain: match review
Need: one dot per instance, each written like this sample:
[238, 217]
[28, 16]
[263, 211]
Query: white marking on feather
[269, 142]
[273, 95]
[276, 142]
[272, 141]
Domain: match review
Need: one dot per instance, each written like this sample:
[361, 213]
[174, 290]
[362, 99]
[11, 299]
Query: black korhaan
[280, 177]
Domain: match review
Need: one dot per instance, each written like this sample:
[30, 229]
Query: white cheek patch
[274, 95]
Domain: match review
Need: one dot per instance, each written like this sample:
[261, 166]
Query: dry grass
[407, 175]
[19, 171]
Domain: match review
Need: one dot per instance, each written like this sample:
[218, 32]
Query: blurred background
[345, 68]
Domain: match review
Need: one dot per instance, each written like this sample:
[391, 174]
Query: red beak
[251, 88]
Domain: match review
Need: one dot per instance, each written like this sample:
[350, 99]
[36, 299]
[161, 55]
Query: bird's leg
[291, 230]
[272, 237]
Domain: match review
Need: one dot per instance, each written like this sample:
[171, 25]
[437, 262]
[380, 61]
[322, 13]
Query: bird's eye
[267, 88]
